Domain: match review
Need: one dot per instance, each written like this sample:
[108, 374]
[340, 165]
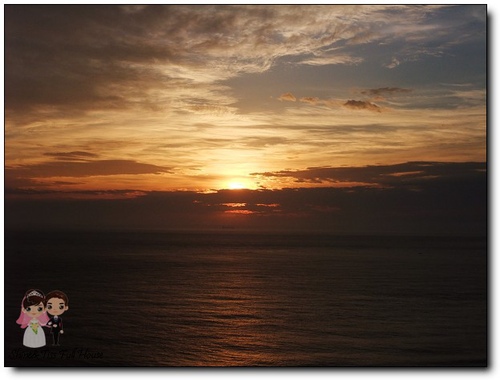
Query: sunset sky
[344, 118]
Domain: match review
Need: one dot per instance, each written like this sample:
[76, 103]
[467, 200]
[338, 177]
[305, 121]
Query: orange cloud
[362, 105]
[74, 169]
[310, 100]
[289, 97]
[72, 156]
[241, 212]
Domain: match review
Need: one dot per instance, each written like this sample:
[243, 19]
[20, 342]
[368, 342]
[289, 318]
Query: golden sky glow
[120, 101]
[160, 92]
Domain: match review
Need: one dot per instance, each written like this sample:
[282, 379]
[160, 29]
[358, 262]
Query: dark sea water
[243, 299]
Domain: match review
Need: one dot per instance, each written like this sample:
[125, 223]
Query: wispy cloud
[385, 91]
[362, 105]
[78, 168]
[137, 90]
[72, 156]
[332, 60]
[289, 97]
[310, 99]
[113, 48]
[408, 174]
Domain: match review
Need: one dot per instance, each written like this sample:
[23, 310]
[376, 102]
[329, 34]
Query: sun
[236, 186]
[239, 183]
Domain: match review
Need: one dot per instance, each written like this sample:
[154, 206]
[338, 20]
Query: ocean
[234, 299]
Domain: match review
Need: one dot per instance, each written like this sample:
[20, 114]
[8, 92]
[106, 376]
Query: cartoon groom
[57, 304]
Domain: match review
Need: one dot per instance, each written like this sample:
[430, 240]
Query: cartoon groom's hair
[57, 294]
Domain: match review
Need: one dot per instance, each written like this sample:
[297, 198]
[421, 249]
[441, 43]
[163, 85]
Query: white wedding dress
[34, 336]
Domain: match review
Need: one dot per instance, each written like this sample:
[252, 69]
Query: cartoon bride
[32, 317]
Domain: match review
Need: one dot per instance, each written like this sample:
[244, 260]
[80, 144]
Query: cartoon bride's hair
[31, 298]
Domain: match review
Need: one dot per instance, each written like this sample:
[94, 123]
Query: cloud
[471, 96]
[119, 56]
[310, 100]
[385, 91]
[72, 156]
[244, 208]
[315, 101]
[55, 196]
[132, 8]
[154, 85]
[77, 169]
[289, 97]
[399, 175]
[212, 109]
[261, 142]
[424, 198]
[394, 63]
[362, 105]
[332, 60]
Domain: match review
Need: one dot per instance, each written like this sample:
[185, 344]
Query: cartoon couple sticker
[39, 310]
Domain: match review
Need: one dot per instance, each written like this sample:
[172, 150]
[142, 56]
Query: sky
[338, 118]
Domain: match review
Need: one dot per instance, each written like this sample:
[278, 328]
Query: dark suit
[56, 326]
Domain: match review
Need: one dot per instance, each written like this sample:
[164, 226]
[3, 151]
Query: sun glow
[236, 185]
